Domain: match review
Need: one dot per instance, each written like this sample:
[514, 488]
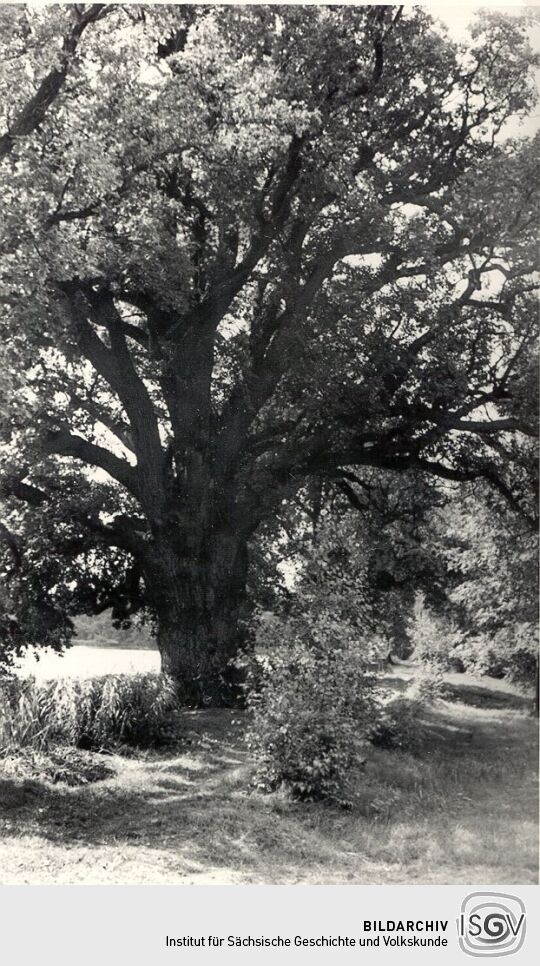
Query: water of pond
[82, 661]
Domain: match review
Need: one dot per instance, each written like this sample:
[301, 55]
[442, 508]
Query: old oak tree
[243, 248]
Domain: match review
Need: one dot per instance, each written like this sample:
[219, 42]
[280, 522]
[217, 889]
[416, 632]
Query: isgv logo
[491, 924]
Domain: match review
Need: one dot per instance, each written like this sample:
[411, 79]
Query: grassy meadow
[463, 810]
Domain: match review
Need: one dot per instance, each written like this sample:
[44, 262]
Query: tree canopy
[243, 248]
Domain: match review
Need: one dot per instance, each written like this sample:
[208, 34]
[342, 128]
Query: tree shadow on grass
[195, 799]
[481, 693]
[484, 697]
[190, 812]
[16, 794]
[182, 822]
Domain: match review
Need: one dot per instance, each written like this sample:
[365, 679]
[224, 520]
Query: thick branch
[127, 533]
[63, 443]
[116, 366]
[26, 492]
[34, 111]
[484, 427]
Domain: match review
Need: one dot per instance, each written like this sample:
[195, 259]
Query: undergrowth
[101, 713]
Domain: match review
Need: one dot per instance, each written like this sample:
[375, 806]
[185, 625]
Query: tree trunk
[199, 605]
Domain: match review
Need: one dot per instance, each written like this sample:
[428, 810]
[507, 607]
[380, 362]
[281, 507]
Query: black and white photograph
[269, 285]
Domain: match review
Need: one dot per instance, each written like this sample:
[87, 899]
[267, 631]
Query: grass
[464, 811]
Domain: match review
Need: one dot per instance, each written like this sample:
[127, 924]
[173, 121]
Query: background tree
[491, 559]
[243, 248]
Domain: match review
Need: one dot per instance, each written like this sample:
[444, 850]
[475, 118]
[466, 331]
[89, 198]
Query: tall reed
[140, 710]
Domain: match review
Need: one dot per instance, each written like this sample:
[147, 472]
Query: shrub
[398, 726]
[428, 685]
[140, 710]
[511, 652]
[310, 708]
[523, 667]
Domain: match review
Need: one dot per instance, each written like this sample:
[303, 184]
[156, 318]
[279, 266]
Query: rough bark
[199, 605]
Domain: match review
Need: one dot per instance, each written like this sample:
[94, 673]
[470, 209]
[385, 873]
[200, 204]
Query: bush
[140, 710]
[397, 726]
[511, 653]
[310, 708]
[428, 685]
[523, 668]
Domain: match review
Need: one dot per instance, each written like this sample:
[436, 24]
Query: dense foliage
[445, 574]
[487, 620]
